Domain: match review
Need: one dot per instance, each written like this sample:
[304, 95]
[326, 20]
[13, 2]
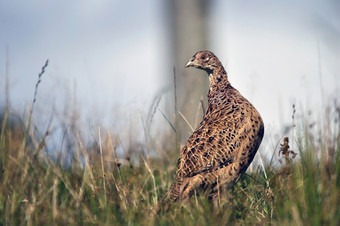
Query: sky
[109, 58]
[101, 49]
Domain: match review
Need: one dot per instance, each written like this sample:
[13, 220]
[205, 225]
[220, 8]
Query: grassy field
[97, 187]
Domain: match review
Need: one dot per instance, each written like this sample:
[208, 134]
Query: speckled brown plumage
[225, 142]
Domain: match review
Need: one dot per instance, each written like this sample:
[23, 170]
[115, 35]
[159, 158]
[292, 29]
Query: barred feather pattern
[222, 147]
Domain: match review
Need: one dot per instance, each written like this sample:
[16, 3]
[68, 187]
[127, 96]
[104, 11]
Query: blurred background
[111, 63]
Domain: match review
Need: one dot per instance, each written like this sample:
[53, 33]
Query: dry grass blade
[88, 169]
[153, 180]
[176, 120]
[36, 90]
[102, 162]
[172, 126]
[54, 198]
[28, 126]
[192, 129]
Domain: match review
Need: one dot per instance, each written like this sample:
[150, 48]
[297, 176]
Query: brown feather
[222, 147]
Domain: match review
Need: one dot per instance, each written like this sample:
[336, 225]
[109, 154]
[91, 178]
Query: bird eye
[204, 57]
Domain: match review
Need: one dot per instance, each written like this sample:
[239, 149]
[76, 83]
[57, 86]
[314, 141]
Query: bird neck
[218, 79]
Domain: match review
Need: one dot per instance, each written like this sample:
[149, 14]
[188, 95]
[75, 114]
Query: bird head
[204, 60]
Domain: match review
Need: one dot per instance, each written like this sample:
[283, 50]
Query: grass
[98, 187]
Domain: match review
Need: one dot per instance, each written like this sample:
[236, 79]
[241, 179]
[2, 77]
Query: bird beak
[190, 63]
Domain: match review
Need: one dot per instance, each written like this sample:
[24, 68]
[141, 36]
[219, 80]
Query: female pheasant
[224, 144]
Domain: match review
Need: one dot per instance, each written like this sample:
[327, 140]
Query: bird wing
[224, 136]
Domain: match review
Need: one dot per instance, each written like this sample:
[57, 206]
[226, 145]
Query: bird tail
[171, 196]
[180, 190]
